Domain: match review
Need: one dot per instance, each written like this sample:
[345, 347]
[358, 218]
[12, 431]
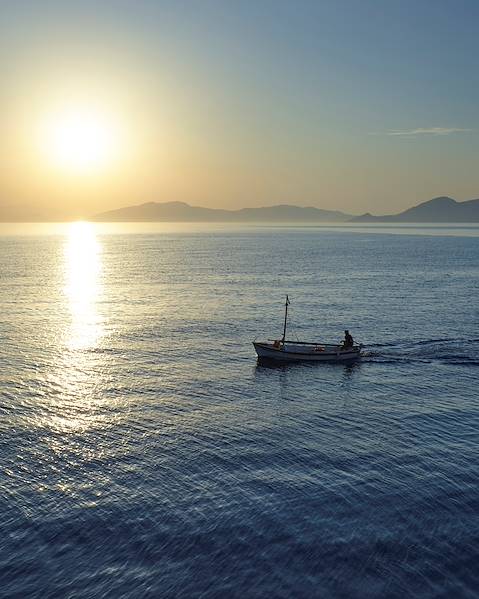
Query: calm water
[144, 453]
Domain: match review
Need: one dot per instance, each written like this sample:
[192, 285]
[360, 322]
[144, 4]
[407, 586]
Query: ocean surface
[145, 453]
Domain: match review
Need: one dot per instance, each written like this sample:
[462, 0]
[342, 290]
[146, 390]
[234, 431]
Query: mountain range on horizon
[438, 210]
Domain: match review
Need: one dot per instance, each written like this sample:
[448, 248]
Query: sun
[79, 140]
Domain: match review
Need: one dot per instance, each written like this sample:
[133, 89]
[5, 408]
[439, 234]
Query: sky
[353, 105]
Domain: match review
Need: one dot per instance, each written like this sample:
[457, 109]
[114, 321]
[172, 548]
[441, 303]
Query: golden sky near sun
[81, 147]
[77, 146]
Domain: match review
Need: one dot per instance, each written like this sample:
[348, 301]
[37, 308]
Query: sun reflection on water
[74, 403]
[83, 271]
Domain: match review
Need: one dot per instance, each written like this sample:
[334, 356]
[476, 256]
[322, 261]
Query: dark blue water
[144, 453]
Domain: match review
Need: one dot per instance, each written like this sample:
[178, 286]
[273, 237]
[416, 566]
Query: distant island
[437, 210]
[182, 212]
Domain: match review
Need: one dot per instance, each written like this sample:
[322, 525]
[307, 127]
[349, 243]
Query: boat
[286, 350]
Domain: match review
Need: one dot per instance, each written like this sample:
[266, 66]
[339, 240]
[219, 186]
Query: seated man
[348, 340]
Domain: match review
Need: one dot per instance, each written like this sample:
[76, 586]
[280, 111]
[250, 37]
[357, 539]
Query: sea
[145, 453]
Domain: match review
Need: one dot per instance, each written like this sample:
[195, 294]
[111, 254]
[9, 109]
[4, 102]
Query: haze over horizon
[357, 107]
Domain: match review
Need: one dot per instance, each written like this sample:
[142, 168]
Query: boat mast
[285, 318]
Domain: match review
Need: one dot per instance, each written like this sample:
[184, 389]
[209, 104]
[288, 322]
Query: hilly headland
[438, 210]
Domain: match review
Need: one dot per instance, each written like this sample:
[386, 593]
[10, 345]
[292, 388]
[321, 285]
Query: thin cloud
[427, 131]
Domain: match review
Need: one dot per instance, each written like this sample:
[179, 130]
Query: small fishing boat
[285, 350]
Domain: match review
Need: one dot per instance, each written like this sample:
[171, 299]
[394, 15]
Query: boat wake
[450, 351]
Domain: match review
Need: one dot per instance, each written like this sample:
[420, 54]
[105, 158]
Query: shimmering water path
[144, 453]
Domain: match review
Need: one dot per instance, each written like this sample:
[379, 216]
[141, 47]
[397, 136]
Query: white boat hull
[291, 352]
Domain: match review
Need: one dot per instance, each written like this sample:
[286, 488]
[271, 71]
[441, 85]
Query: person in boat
[348, 340]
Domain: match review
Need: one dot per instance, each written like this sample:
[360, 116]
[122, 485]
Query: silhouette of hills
[437, 210]
[182, 212]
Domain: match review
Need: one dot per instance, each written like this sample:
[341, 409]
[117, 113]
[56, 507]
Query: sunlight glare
[79, 140]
